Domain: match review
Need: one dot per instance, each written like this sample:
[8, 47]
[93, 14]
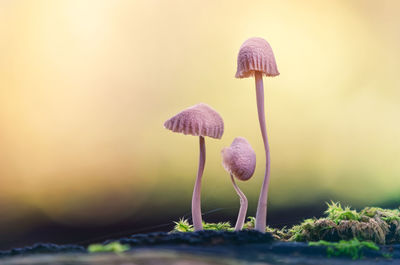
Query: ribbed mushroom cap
[255, 55]
[198, 120]
[239, 159]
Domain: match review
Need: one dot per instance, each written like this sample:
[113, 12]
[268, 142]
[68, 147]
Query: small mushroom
[257, 59]
[239, 159]
[199, 120]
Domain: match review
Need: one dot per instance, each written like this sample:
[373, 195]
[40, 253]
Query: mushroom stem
[243, 206]
[196, 200]
[261, 216]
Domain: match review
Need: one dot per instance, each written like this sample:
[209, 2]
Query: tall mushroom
[239, 160]
[199, 120]
[257, 59]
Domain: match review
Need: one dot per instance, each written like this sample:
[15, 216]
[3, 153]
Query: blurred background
[85, 87]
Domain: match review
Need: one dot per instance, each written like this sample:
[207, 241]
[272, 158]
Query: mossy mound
[378, 225]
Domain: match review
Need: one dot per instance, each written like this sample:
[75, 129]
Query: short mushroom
[257, 59]
[199, 120]
[239, 159]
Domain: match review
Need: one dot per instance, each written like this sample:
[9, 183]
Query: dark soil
[205, 247]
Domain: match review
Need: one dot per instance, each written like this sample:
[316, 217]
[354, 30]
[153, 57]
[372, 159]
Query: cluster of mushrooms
[239, 160]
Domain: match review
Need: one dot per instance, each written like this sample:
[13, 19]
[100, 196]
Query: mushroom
[199, 120]
[239, 160]
[257, 59]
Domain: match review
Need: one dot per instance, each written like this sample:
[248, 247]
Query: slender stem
[196, 198]
[243, 206]
[261, 216]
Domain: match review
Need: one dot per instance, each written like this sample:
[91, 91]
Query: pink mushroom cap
[198, 120]
[239, 159]
[255, 55]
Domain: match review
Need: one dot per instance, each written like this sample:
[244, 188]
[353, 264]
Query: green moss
[250, 224]
[115, 247]
[336, 213]
[350, 248]
[378, 225]
[311, 230]
[381, 226]
[388, 215]
[183, 226]
[222, 226]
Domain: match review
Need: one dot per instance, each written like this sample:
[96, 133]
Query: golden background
[85, 87]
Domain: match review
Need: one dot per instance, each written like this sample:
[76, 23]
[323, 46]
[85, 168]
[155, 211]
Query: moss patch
[183, 225]
[350, 248]
[381, 226]
[115, 247]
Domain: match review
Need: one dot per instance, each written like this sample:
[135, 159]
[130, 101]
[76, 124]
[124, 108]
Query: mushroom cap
[239, 159]
[255, 55]
[198, 120]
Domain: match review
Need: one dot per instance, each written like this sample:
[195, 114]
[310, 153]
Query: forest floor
[344, 236]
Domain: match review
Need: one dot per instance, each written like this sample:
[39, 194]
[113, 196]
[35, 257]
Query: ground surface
[210, 247]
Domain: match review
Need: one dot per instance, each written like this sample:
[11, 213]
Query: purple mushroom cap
[239, 159]
[255, 55]
[198, 120]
